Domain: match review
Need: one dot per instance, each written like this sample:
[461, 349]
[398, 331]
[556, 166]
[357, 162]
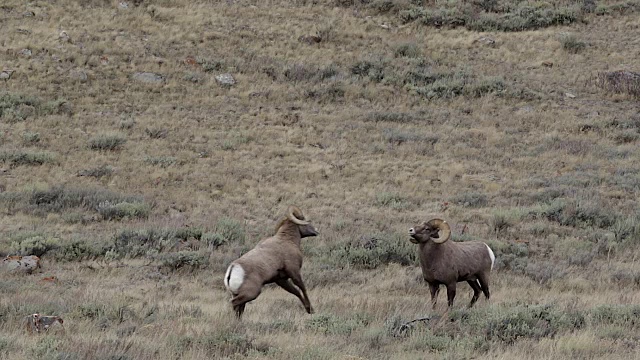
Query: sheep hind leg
[476, 291]
[288, 286]
[239, 301]
[484, 285]
[239, 309]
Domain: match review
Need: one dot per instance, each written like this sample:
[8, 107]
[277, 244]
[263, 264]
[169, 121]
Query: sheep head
[295, 216]
[429, 231]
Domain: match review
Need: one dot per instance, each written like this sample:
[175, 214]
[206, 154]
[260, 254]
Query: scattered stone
[25, 53]
[64, 37]
[149, 77]
[225, 80]
[310, 39]
[486, 41]
[6, 74]
[570, 95]
[547, 64]
[21, 263]
[104, 60]
[23, 31]
[123, 5]
[78, 75]
[28, 14]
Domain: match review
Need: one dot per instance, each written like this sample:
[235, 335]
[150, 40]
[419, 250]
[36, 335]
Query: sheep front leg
[285, 284]
[451, 293]
[297, 280]
[435, 289]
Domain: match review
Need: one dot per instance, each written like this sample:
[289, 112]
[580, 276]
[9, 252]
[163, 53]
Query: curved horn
[295, 215]
[443, 226]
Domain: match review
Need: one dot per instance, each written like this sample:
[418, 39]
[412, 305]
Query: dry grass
[138, 195]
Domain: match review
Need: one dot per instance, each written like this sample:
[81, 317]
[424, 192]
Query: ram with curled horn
[446, 262]
[276, 259]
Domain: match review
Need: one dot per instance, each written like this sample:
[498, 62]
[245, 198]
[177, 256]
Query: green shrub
[5, 346]
[332, 325]
[230, 230]
[300, 73]
[370, 252]
[494, 17]
[622, 315]
[327, 94]
[161, 161]
[410, 50]
[30, 138]
[222, 343]
[579, 214]
[374, 70]
[107, 142]
[61, 198]
[123, 210]
[211, 65]
[135, 243]
[16, 107]
[571, 44]
[156, 133]
[44, 347]
[509, 324]
[77, 250]
[509, 256]
[18, 158]
[392, 117]
[392, 200]
[98, 172]
[470, 199]
[177, 260]
[37, 245]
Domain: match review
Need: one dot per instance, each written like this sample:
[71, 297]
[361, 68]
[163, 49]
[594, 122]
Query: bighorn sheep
[273, 260]
[447, 263]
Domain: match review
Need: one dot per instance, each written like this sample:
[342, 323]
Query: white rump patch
[493, 257]
[234, 278]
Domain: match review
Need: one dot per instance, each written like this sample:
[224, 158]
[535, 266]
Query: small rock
[104, 60]
[6, 74]
[28, 14]
[25, 53]
[225, 79]
[570, 95]
[148, 77]
[64, 37]
[547, 64]
[23, 31]
[123, 5]
[486, 40]
[310, 39]
[78, 75]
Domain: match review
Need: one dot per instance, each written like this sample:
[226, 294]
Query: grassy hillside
[138, 177]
